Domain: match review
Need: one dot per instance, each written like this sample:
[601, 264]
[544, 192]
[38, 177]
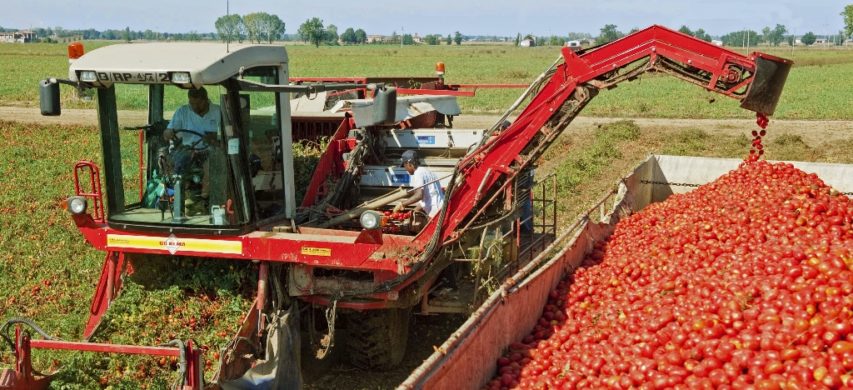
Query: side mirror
[49, 97]
[385, 105]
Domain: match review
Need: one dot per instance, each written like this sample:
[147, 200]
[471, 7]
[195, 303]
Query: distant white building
[717, 42]
[375, 38]
[574, 45]
[527, 43]
[23, 36]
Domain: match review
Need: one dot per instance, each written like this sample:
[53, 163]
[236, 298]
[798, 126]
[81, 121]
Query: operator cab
[193, 173]
[198, 138]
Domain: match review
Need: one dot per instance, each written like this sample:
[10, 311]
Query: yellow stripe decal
[173, 244]
[312, 251]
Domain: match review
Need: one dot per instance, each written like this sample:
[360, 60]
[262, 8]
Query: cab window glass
[260, 114]
[179, 172]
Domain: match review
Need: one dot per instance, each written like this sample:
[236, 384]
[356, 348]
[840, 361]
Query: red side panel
[328, 164]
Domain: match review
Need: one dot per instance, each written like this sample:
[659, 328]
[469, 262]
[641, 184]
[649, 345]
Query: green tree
[685, 30]
[848, 19]
[263, 27]
[774, 36]
[808, 38]
[517, 39]
[253, 23]
[360, 36]
[330, 36]
[609, 33]
[408, 39]
[701, 34]
[574, 36]
[766, 34]
[449, 39]
[230, 28]
[125, 36]
[274, 28]
[740, 38]
[312, 31]
[778, 34]
[349, 37]
[791, 39]
[457, 38]
[556, 41]
[432, 39]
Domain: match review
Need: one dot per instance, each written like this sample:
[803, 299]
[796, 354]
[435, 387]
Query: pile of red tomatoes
[745, 282]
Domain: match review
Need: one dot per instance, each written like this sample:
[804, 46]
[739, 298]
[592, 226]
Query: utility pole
[747, 40]
[227, 14]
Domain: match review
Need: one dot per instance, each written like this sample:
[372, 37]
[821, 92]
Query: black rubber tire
[377, 339]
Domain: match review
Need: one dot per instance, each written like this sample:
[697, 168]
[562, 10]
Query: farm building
[22, 36]
[529, 42]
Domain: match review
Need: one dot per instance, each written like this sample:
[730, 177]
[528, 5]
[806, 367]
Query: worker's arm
[417, 195]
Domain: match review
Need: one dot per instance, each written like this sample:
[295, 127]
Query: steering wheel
[195, 145]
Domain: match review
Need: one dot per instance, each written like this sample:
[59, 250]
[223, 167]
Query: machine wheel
[377, 338]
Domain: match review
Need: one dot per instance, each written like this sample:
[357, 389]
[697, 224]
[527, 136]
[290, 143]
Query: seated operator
[199, 116]
[426, 190]
[202, 119]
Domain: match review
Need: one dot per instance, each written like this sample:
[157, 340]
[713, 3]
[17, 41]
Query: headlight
[88, 76]
[370, 219]
[77, 205]
[181, 77]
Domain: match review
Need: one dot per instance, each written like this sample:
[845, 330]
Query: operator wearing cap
[426, 191]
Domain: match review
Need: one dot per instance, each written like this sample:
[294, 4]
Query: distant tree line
[768, 36]
[52, 34]
[263, 27]
[257, 27]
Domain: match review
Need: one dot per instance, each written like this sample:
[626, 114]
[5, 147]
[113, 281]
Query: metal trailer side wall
[467, 360]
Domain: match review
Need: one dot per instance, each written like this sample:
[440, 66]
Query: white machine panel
[391, 176]
[460, 139]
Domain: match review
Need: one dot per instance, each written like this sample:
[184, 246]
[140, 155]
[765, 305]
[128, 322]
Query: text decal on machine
[173, 244]
[134, 77]
[313, 251]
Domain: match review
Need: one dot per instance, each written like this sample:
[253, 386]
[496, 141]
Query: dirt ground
[812, 132]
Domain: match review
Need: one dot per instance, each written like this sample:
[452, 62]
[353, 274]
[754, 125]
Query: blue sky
[494, 17]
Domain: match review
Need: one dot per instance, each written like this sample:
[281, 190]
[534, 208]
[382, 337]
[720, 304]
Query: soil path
[813, 132]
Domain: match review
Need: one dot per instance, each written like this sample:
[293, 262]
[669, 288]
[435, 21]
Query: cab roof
[153, 63]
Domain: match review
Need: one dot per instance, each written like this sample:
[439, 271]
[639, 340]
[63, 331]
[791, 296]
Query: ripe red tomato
[745, 282]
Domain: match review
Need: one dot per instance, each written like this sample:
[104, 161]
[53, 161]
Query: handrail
[93, 192]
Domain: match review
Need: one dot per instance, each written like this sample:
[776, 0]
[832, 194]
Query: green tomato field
[48, 273]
